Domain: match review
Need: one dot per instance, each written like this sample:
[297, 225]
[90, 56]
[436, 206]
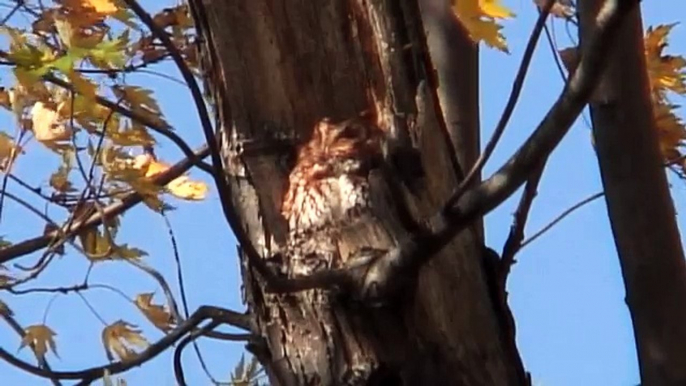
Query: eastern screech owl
[328, 189]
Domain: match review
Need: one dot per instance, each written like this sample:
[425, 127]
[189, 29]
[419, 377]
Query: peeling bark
[274, 68]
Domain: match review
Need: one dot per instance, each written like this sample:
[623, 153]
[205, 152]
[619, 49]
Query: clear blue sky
[566, 291]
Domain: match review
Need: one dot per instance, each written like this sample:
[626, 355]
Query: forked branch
[376, 276]
[213, 314]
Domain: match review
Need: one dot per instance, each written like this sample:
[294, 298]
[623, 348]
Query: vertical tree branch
[639, 204]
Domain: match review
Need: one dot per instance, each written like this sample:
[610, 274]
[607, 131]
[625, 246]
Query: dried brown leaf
[120, 339]
[158, 315]
[41, 337]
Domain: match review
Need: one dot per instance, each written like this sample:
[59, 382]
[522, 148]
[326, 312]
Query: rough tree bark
[276, 68]
[639, 204]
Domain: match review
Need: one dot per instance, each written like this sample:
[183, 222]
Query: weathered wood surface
[278, 67]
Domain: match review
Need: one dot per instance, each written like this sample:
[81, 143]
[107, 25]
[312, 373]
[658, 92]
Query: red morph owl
[328, 188]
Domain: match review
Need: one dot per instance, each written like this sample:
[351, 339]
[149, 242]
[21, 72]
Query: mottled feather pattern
[328, 188]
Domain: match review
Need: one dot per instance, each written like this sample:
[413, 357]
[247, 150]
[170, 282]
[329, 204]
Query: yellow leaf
[8, 151]
[136, 135]
[479, 19]
[141, 101]
[670, 130]
[96, 245]
[40, 337]
[47, 124]
[186, 189]
[82, 85]
[128, 253]
[104, 7]
[59, 180]
[666, 72]
[494, 9]
[181, 187]
[157, 314]
[120, 339]
[65, 31]
[5, 99]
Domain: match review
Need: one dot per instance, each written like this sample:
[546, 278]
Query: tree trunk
[275, 69]
[639, 205]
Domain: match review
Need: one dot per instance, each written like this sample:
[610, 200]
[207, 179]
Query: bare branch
[517, 86]
[220, 315]
[42, 362]
[11, 13]
[377, 276]
[514, 240]
[20, 249]
[178, 366]
[561, 217]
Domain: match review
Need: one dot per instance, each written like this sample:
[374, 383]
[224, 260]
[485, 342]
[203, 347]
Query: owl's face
[329, 181]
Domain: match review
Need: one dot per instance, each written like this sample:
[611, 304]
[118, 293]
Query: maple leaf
[96, 245]
[181, 187]
[82, 85]
[120, 338]
[47, 124]
[666, 72]
[158, 315]
[128, 253]
[141, 101]
[59, 180]
[40, 337]
[480, 17]
[133, 135]
[670, 129]
[110, 53]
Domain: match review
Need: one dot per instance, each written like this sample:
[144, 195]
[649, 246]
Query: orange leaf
[103, 7]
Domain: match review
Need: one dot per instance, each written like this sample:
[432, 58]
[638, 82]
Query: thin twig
[514, 239]
[178, 366]
[560, 217]
[25, 185]
[517, 87]
[11, 13]
[42, 362]
[87, 376]
[182, 290]
[92, 309]
[20, 249]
